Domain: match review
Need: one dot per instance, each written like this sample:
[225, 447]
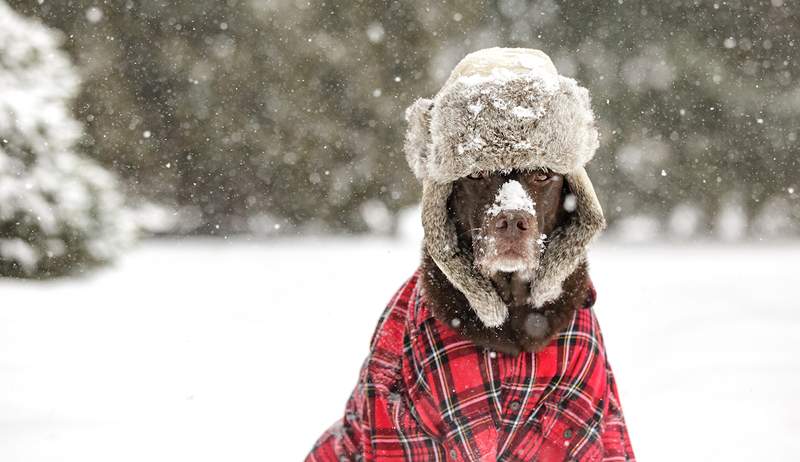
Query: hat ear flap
[441, 242]
[418, 136]
[567, 244]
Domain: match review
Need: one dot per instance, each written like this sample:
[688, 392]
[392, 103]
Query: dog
[491, 350]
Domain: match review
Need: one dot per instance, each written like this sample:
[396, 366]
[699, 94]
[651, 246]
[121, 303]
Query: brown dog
[488, 351]
[506, 244]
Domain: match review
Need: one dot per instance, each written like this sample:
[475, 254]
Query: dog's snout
[508, 243]
[512, 222]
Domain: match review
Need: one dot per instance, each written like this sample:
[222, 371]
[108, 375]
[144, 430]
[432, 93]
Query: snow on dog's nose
[512, 196]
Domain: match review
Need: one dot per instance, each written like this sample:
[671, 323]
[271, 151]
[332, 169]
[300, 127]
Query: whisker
[467, 231]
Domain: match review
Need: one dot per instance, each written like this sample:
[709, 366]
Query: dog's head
[504, 109]
[506, 217]
[504, 222]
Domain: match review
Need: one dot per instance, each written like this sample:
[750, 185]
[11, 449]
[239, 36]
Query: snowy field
[208, 350]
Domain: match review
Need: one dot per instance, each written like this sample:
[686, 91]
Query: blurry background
[245, 133]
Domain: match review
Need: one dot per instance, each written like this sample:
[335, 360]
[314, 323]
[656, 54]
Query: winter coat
[427, 394]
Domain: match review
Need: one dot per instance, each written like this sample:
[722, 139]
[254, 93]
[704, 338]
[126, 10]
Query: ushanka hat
[503, 109]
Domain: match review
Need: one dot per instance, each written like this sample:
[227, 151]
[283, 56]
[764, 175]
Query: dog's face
[506, 218]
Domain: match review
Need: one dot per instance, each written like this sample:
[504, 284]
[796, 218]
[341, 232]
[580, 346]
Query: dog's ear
[418, 136]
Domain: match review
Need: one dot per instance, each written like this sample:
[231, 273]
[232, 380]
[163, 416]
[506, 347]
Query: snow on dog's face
[505, 218]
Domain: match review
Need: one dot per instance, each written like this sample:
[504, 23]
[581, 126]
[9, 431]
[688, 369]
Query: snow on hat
[503, 109]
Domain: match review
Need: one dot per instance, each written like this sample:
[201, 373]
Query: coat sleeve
[346, 439]
[616, 442]
[370, 406]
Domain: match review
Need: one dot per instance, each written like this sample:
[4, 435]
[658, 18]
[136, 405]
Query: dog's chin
[514, 263]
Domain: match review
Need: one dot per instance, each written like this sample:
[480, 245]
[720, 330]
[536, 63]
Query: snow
[94, 14]
[475, 108]
[375, 32]
[497, 66]
[570, 202]
[496, 76]
[193, 349]
[476, 142]
[540, 241]
[527, 112]
[512, 196]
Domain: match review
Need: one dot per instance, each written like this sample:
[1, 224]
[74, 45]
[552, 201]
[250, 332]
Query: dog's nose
[512, 222]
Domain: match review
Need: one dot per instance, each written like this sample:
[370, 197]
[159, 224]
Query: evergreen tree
[59, 211]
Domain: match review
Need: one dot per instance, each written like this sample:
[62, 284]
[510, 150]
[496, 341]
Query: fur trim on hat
[503, 109]
[418, 135]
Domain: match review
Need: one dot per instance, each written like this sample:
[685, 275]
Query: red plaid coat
[427, 394]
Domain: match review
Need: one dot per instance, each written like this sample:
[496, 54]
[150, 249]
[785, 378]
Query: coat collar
[420, 313]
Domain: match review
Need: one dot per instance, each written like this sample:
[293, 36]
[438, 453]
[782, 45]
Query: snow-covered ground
[246, 351]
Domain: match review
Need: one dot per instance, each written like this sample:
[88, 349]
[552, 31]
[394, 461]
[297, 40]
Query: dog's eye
[475, 176]
[541, 176]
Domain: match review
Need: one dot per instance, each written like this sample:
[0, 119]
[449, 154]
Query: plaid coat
[426, 394]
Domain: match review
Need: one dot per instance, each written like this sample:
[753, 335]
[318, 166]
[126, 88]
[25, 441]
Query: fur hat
[503, 109]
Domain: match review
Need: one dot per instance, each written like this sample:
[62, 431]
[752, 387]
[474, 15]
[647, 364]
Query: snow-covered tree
[59, 211]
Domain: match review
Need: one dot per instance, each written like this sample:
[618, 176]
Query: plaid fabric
[427, 394]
